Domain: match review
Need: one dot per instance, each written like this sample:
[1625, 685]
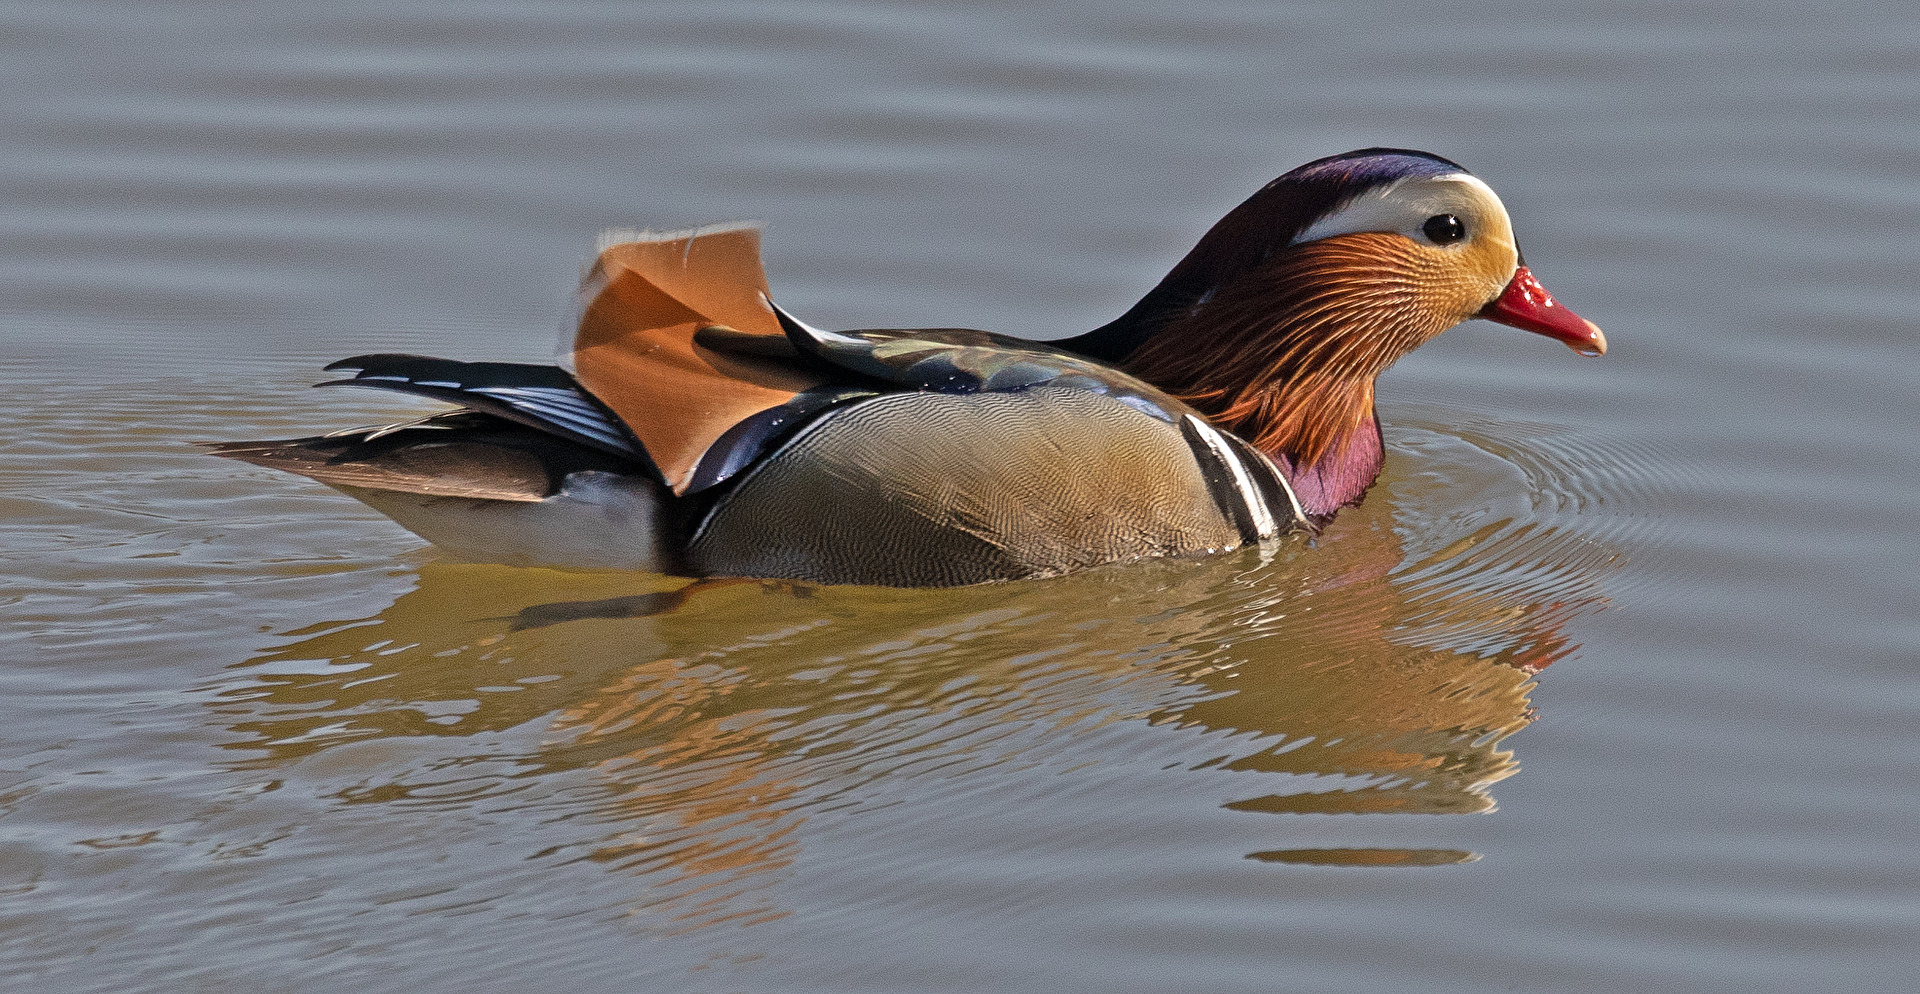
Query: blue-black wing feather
[545, 398]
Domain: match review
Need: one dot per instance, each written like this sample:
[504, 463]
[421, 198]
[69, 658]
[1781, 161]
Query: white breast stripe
[1299, 513]
[1249, 493]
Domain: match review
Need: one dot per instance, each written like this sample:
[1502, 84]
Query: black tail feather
[544, 398]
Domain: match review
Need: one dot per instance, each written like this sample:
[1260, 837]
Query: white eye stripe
[1404, 206]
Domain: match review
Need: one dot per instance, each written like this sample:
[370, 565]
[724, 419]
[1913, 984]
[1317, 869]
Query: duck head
[1278, 321]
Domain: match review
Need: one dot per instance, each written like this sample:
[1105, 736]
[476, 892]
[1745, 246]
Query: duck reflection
[1350, 678]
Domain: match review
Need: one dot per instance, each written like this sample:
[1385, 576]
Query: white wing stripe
[562, 406]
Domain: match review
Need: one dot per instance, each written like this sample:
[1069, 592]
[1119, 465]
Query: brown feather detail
[642, 302]
[471, 456]
[1285, 355]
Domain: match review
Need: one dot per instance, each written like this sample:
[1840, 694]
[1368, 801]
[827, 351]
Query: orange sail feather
[641, 303]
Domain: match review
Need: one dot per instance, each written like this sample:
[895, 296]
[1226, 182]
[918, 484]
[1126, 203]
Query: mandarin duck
[696, 428]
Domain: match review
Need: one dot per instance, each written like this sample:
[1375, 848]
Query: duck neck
[1322, 431]
[1341, 477]
[1285, 356]
[1319, 427]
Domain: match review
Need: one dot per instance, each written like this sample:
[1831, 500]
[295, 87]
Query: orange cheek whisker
[1303, 340]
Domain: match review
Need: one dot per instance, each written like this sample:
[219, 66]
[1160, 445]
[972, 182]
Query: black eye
[1444, 229]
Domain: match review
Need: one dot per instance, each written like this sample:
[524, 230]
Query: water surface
[1610, 684]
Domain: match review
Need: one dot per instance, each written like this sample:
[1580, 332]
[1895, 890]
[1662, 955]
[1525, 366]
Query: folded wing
[642, 303]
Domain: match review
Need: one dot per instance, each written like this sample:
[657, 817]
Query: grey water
[1613, 683]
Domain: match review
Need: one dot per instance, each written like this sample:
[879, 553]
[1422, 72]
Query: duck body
[928, 458]
[695, 428]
